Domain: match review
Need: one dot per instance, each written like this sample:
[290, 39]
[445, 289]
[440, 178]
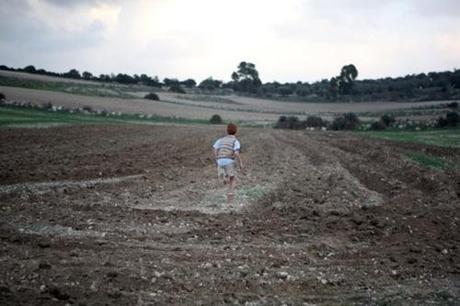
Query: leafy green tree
[346, 78]
[189, 83]
[105, 78]
[30, 69]
[246, 78]
[175, 87]
[87, 75]
[123, 78]
[73, 74]
[334, 87]
[286, 90]
[210, 84]
[170, 82]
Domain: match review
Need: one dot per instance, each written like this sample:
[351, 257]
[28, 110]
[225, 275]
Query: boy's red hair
[231, 129]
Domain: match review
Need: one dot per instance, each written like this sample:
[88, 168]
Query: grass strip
[437, 137]
[16, 116]
[429, 161]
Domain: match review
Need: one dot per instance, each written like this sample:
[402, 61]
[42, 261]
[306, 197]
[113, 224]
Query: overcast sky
[288, 40]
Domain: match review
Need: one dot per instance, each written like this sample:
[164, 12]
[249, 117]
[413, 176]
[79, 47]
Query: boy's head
[231, 129]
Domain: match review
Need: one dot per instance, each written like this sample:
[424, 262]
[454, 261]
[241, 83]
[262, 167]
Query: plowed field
[134, 215]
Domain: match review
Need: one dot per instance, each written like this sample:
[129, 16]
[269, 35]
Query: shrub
[87, 109]
[315, 121]
[387, 120]
[291, 122]
[453, 105]
[378, 126]
[348, 121]
[215, 119]
[451, 119]
[48, 105]
[152, 96]
[176, 88]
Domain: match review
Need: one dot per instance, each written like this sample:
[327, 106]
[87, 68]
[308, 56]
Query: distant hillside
[430, 86]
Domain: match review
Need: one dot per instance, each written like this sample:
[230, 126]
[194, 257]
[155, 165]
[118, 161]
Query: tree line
[343, 87]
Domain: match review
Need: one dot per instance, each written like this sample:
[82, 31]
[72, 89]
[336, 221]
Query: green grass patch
[429, 161]
[437, 137]
[18, 116]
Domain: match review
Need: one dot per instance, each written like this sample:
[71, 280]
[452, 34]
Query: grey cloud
[426, 8]
[76, 3]
[433, 8]
[25, 31]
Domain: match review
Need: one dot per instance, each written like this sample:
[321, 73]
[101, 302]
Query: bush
[315, 121]
[348, 121]
[378, 126]
[176, 88]
[387, 120]
[87, 109]
[451, 119]
[291, 122]
[215, 119]
[47, 106]
[152, 96]
[453, 105]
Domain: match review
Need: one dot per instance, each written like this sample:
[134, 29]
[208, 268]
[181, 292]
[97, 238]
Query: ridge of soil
[126, 214]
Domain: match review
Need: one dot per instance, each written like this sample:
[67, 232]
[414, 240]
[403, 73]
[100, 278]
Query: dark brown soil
[126, 215]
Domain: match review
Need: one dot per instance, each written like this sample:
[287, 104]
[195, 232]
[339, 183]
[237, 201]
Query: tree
[286, 90]
[87, 75]
[105, 78]
[30, 69]
[73, 74]
[170, 82]
[124, 79]
[346, 79]
[334, 87]
[210, 84]
[175, 87]
[189, 83]
[246, 78]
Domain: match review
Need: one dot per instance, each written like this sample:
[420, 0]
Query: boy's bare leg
[231, 183]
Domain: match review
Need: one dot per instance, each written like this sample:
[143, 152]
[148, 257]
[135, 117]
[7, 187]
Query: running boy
[226, 150]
